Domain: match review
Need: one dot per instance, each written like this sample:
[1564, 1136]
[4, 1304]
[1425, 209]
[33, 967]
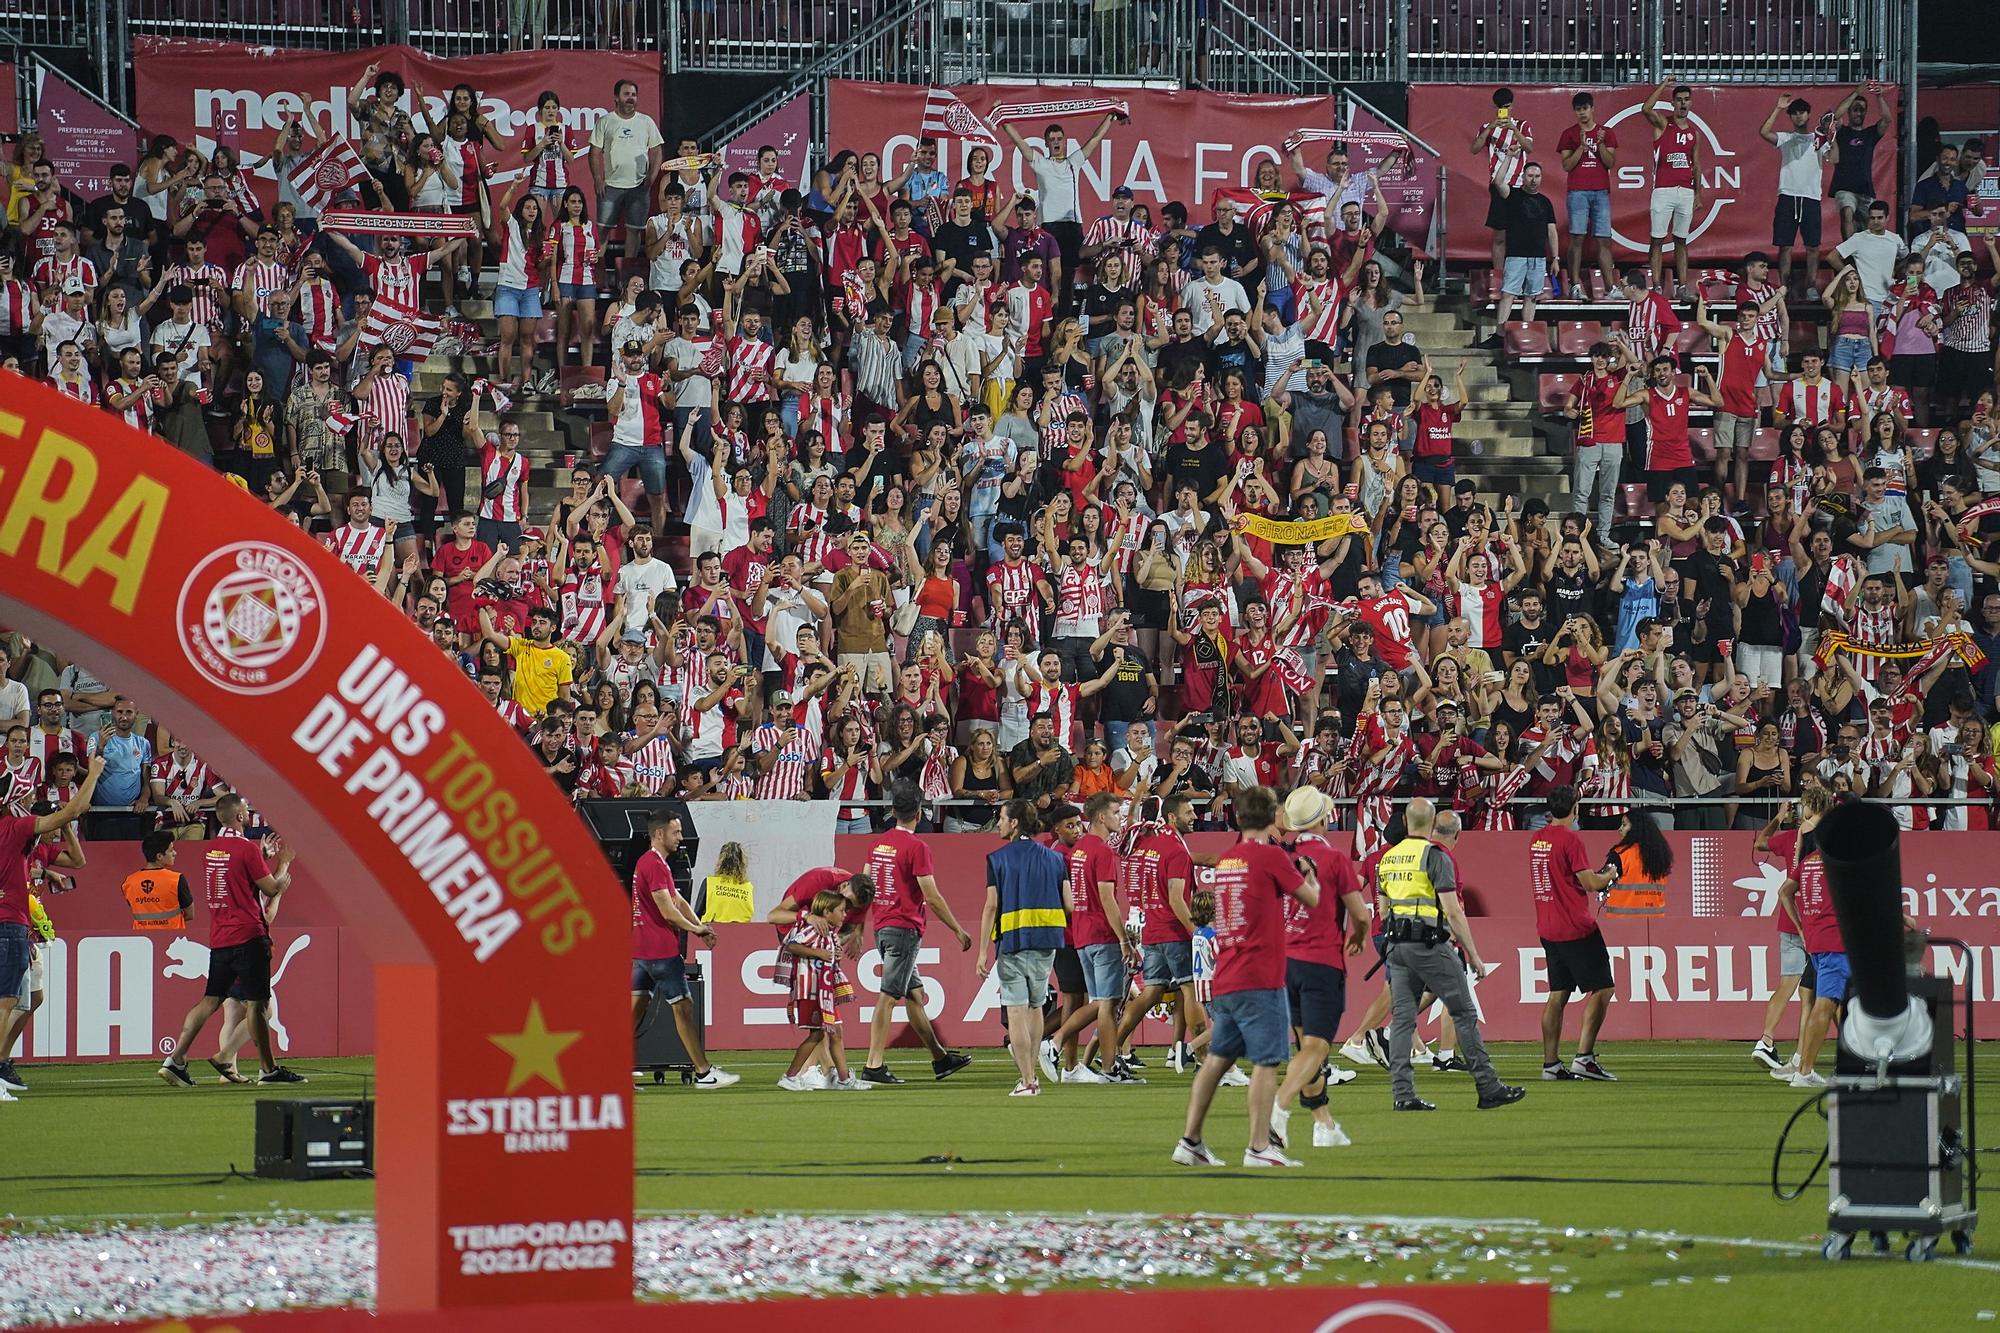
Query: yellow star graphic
[537, 1052]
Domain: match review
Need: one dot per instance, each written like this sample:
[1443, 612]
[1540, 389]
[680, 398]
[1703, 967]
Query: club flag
[324, 175]
[946, 116]
[410, 334]
[340, 422]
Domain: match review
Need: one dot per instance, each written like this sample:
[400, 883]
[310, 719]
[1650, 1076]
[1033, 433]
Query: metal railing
[333, 25]
[54, 26]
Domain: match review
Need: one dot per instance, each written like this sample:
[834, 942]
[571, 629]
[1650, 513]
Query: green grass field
[1647, 1204]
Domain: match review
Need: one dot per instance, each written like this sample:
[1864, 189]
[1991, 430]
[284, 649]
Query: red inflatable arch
[499, 932]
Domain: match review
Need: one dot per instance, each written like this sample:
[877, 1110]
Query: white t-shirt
[1874, 259]
[14, 701]
[184, 339]
[639, 582]
[1055, 185]
[694, 391]
[625, 141]
[630, 426]
[1941, 263]
[1799, 160]
[1228, 293]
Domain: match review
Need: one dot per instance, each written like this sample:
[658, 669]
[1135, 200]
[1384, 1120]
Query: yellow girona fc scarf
[1927, 652]
[1281, 532]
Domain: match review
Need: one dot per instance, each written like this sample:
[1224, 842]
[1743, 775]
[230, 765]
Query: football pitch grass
[1646, 1204]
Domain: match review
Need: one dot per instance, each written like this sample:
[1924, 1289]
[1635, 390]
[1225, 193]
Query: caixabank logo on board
[251, 618]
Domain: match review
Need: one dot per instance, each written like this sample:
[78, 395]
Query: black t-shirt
[1239, 250]
[1101, 304]
[1528, 219]
[960, 244]
[1124, 698]
[1707, 571]
[1855, 172]
[1204, 467]
[1237, 355]
[1524, 640]
[1176, 356]
[1393, 356]
[1568, 595]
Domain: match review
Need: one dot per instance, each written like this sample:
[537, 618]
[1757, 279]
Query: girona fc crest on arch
[251, 618]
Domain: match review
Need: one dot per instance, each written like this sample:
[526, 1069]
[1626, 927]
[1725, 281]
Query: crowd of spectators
[910, 477]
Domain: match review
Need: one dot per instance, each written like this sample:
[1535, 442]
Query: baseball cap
[1306, 806]
[782, 699]
[1686, 693]
[180, 294]
[1122, 192]
[74, 287]
[533, 535]
[634, 636]
[1451, 704]
[633, 345]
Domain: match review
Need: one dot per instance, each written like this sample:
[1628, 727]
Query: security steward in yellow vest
[158, 896]
[1417, 887]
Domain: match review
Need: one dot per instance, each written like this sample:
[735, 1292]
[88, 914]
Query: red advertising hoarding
[207, 93]
[1704, 970]
[1177, 145]
[1739, 192]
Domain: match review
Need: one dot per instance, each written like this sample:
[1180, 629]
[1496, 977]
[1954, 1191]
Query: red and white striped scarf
[1061, 109]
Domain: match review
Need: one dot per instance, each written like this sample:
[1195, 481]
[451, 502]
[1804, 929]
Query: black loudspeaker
[657, 1047]
[315, 1140]
[620, 828]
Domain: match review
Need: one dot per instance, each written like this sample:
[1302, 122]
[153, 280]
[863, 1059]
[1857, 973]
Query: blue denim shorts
[517, 302]
[1590, 212]
[1103, 971]
[15, 955]
[577, 291]
[1256, 1023]
[651, 462]
[1830, 979]
[1169, 963]
[663, 978]
[1849, 352]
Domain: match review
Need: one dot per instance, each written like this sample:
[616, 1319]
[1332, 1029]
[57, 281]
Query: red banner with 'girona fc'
[206, 93]
[498, 934]
[1177, 145]
[1739, 193]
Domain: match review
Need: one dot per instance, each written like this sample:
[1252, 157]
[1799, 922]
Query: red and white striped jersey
[853, 784]
[1130, 238]
[805, 518]
[1650, 323]
[1127, 533]
[1079, 594]
[1889, 398]
[137, 413]
[1319, 306]
[736, 235]
[464, 157]
[510, 473]
[1315, 604]
[46, 745]
[1010, 592]
[1605, 779]
[792, 767]
[263, 279]
[516, 716]
[1508, 135]
[318, 308]
[1881, 749]
[360, 547]
[83, 388]
[750, 370]
[206, 280]
[51, 271]
[181, 781]
[576, 253]
[387, 406]
[1494, 814]
[1816, 404]
[22, 783]
[580, 602]
[829, 416]
[653, 766]
[1770, 324]
[397, 281]
[1062, 703]
[920, 307]
[17, 307]
[1875, 629]
[548, 164]
[935, 781]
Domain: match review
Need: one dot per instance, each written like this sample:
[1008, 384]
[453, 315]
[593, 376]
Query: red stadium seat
[1479, 285]
[1922, 442]
[1524, 340]
[1574, 336]
[1717, 289]
[1767, 445]
[600, 438]
[1553, 390]
[1701, 441]
[1693, 340]
[1808, 335]
[1632, 501]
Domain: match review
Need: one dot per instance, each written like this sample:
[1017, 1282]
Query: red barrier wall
[1703, 970]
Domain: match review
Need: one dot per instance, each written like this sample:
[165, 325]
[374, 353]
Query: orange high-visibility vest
[154, 895]
[1633, 894]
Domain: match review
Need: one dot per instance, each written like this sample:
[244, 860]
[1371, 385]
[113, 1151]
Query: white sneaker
[1026, 1090]
[791, 1083]
[716, 1078]
[1235, 1078]
[1331, 1136]
[1281, 1123]
[6, 1096]
[1808, 1079]
[1268, 1157]
[850, 1084]
[813, 1079]
[1337, 1076]
[1356, 1052]
[1083, 1074]
[1048, 1057]
[1196, 1154]
[1765, 1054]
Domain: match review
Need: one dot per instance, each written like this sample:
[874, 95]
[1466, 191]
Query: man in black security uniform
[1417, 895]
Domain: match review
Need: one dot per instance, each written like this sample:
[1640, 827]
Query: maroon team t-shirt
[229, 881]
[1251, 881]
[1785, 846]
[1314, 934]
[17, 835]
[652, 937]
[1822, 926]
[459, 597]
[807, 886]
[1166, 859]
[895, 863]
[1562, 908]
[1091, 863]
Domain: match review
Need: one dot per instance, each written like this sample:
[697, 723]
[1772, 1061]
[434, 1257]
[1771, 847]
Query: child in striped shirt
[809, 967]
